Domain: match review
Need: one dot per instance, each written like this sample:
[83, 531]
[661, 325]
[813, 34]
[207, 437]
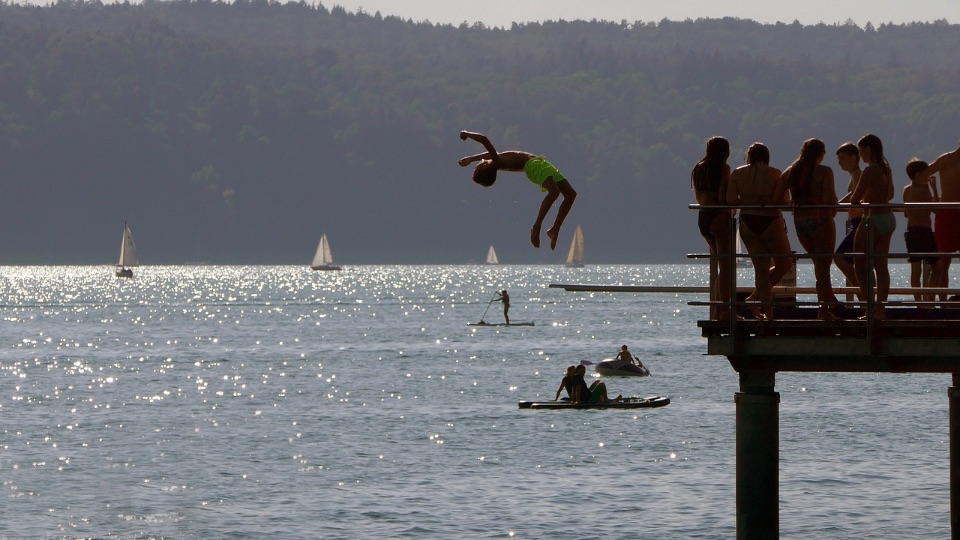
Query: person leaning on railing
[848, 158]
[876, 229]
[919, 237]
[762, 230]
[946, 227]
[709, 180]
[810, 184]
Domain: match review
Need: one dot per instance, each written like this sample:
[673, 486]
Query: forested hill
[239, 133]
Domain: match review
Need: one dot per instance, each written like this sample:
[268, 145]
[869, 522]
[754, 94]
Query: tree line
[239, 132]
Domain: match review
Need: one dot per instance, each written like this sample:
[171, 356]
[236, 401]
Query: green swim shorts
[539, 170]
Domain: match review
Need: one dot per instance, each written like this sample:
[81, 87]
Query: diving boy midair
[537, 169]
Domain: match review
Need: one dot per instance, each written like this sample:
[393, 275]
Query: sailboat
[128, 254]
[323, 259]
[575, 257]
[742, 262]
[492, 256]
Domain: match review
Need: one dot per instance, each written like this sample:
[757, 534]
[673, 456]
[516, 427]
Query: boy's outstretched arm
[466, 160]
[482, 139]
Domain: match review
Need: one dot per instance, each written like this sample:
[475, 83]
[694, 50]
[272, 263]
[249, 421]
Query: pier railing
[783, 292]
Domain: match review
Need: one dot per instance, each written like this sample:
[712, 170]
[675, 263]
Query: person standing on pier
[876, 229]
[848, 157]
[709, 180]
[919, 236]
[811, 186]
[763, 231]
[946, 226]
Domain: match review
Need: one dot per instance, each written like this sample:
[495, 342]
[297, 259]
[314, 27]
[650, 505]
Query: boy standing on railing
[919, 234]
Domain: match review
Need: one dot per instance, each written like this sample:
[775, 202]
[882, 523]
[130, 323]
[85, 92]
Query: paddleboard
[481, 323]
[627, 403]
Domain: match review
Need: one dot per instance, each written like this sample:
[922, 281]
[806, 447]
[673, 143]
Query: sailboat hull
[124, 272]
[326, 267]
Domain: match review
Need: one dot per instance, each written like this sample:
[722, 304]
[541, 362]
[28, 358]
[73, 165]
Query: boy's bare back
[948, 167]
[916, 192]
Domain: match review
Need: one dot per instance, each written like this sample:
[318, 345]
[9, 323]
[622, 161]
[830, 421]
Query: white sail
[323, 258]
[128, 250]
[128, 254]
[575, 257]
[492, 256]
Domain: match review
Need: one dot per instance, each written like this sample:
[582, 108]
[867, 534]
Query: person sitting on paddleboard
[595, 393]
[537, 169]
[567, 383]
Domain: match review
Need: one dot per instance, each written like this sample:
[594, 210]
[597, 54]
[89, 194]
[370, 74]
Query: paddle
[488, 306]
[639, 363]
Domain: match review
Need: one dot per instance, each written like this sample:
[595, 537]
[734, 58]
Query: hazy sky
[505, 12]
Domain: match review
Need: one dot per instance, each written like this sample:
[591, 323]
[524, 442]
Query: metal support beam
[758, 459]
[953, 394]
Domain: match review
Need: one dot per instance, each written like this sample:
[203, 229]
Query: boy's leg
[941, 275]
[548, 199]
[844, 263]
[569, 195]
[848, 271]
[916, 277]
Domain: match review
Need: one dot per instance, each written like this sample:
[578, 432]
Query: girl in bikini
[810, 183]
[763, 231]
[876, 228]
[709, 180]
[537, 169]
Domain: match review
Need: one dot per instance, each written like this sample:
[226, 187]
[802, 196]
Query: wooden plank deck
[911, 340]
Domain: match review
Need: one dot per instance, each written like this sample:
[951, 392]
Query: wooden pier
[911, 340]
[915, 337]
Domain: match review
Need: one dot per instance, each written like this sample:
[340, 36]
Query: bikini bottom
[808, 227]
[884, 223]
[757, 224]
[705, 220]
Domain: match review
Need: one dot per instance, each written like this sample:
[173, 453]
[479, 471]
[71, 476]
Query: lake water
[236, 402]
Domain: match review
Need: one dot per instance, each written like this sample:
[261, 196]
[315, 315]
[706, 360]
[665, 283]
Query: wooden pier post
[758, 458]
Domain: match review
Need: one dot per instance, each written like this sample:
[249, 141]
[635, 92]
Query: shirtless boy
[947, 225]
[537, 169]
[919, 235]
